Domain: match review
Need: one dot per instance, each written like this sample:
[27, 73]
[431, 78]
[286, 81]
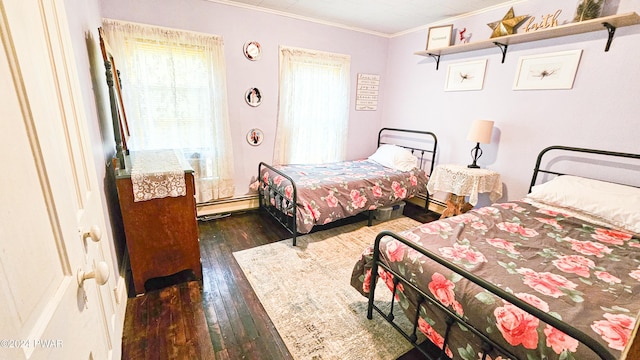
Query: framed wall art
[255, 137]
[367, 90]
[466, 76]
[252, 50]
[439, 36]
[253, 96]
[547, 71]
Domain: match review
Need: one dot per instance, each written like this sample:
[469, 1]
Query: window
[313, 111]
[174, 90]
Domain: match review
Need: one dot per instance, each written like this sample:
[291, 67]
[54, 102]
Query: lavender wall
[601, 110]
[238, 25]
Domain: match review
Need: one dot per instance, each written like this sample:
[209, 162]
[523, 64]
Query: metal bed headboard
[428, 154]
[537, 169]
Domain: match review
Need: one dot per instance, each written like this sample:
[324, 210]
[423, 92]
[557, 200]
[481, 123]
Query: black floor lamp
[480, 132]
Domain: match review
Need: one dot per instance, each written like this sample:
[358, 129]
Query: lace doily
[157, 174]
[463, 181]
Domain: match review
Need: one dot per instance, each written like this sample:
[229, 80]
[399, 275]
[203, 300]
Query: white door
[49, 197]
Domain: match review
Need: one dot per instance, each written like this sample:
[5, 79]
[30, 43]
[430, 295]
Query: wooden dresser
[162, 232]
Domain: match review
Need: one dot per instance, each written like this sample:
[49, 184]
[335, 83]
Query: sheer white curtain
[175, 95]
[313, 109]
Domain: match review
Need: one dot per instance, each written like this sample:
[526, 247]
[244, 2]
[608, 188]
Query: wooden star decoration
[507, 24]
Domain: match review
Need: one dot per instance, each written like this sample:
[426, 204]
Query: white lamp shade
[480, 131]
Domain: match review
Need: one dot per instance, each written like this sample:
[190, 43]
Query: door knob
[100, 272]
[94, 233]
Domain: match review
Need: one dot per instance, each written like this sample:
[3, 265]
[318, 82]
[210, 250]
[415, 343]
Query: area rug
[306, 292]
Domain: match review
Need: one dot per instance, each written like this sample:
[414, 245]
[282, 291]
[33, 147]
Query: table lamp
[480, 132]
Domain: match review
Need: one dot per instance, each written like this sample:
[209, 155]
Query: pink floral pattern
[559, 341]
[436, 228]
[516, 229]
[331, 200]
[334, 191]
[607, 277]
[609, 236]
[552, 261]
[396, 250]
[552, 222]
[552, 213]
[357, 200]
[433, 335]
[399, 191]
[589, 247]
[574, 264]
[615, 330]
[442, 289]
[517, 326]
[503, 244]
[387, 278]
[463, 253]
[288, 192]
[546, 283]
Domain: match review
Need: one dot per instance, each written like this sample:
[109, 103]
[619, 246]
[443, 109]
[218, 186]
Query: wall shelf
[609, 23]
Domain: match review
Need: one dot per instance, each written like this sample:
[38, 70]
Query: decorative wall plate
[255, 137]
[253, 97]
[252, 50]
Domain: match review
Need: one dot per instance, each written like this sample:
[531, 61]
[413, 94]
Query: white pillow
[616, 204]
[395, 157]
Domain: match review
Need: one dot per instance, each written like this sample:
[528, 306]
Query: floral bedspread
[328, 192]
[585, 275]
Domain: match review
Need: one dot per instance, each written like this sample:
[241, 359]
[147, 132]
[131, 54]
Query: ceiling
[383, 17]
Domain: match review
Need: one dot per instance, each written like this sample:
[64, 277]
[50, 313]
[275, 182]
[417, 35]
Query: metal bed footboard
[281, 208]
[276, 203]
[284, 209]
[452, 318]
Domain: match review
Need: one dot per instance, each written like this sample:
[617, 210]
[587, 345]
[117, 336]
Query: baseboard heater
[225, 206]
[434, 204]
[220, 208]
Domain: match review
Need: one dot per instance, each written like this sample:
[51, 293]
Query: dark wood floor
[165, 323]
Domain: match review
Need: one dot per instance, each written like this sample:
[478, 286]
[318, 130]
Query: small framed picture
[252, 50]
[547, 71]
[466, 76]
[255, 137]
[439, 37]
[253, 97]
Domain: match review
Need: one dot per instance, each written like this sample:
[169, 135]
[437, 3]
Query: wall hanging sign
[252, 50]
[547, 21]
[367, 92]
[439, 36]
[255, 137]
[253, 96]
[547, 71]
[466, 76]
